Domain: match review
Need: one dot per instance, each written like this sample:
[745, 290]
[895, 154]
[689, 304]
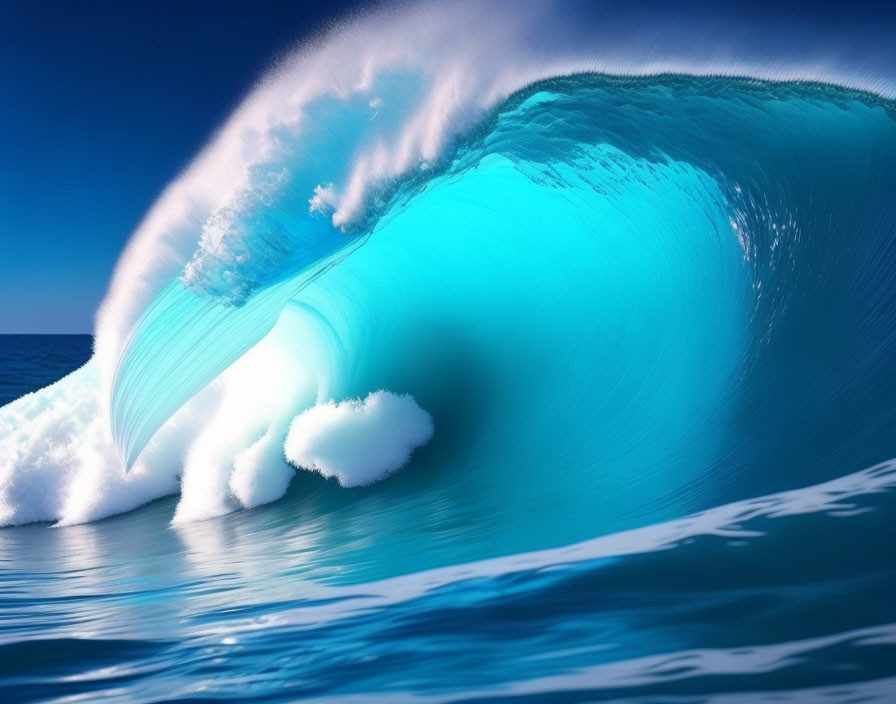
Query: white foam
[57, 461]
[222, 451]
[358, 442]
[236, 458]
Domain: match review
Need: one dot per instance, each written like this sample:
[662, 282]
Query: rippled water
[30, 362]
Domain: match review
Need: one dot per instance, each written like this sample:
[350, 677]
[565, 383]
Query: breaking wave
[604, 273]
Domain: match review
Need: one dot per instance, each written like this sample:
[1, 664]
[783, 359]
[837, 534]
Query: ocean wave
[621, 294]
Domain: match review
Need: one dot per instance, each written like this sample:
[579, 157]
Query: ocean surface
[31, 362]
[480, 360]
[780, 598]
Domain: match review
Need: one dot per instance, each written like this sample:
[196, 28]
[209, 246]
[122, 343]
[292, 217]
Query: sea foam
[358, 441]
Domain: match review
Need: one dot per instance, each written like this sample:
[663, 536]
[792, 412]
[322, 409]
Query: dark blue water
[31, 362]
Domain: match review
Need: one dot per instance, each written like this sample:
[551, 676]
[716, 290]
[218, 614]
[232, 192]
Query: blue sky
[101, 104]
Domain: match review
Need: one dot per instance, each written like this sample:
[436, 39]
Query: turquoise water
[624, 298]
[652, 322]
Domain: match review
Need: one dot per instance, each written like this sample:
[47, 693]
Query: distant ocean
[31, 362]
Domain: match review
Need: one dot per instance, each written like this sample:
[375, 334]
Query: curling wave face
[625, 297]
[622, 297]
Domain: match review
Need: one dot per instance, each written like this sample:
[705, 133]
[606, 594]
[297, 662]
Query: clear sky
[101, 104]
